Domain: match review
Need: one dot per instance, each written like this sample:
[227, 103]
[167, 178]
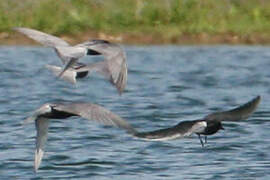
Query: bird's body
[184, 128]
[113, 67]
[212, 128]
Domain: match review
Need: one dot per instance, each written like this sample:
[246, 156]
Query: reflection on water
[166, 84]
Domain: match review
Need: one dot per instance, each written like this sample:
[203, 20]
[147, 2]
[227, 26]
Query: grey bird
[113, 68]
[208, 125]
[88, 111]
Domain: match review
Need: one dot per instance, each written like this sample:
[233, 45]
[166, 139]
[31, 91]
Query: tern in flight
[88, 111]
[206, 126]
[113, 68]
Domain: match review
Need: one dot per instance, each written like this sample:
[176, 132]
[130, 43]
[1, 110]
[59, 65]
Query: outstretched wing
[115, 58]
[46, 40]
[183, 129]
[117, 67]
[41, 138]
[96, 113]
[114, 66]
[237, 114]
[100, 46]
[42, 131]
[103, 68]
[41, 37]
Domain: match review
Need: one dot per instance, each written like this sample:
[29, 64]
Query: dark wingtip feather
[121, 80]
[120, 85]
[92, 52]
[236, 114]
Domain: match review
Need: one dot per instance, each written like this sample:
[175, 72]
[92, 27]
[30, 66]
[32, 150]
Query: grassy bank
[161, 21]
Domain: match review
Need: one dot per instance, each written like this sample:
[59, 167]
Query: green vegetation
[163, 18]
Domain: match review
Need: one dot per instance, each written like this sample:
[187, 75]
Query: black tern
[113, 68]
[61, 111]
[208, 125]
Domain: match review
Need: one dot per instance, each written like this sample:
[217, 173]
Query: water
[166, 84]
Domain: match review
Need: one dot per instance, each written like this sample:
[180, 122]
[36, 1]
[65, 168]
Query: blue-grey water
[166, 85]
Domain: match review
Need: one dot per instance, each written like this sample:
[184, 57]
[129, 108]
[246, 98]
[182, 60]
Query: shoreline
[14, 38]
[140, 22]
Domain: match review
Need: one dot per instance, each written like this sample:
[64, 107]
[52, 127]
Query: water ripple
[166, 84]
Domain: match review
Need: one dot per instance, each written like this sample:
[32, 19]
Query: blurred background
[141, 21]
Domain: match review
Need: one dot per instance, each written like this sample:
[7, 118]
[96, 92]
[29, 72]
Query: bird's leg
[205, 139]
[201, 140]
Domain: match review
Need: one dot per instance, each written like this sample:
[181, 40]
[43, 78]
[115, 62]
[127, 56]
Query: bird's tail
[69, 75]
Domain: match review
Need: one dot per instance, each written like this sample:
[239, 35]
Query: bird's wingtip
[253, 103]
[120, 91]
[257, 99]
[38, 158]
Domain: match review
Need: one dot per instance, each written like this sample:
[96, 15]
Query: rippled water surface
[166, 84]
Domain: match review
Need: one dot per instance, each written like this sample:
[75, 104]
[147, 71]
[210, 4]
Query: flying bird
[88, 111]
[208, 125]
[113, 68]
